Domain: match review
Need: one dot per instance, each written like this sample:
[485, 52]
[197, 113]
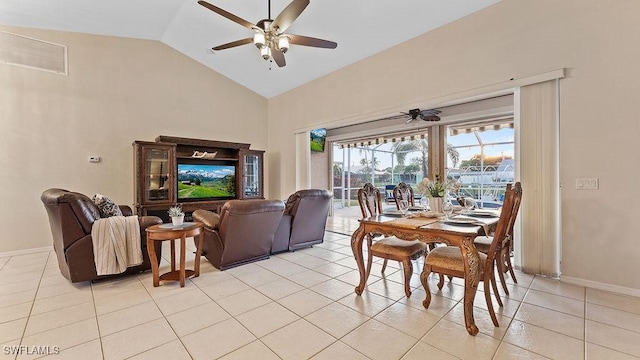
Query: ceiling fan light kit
[269, 35]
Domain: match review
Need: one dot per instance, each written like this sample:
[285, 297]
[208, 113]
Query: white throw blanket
[116, 244]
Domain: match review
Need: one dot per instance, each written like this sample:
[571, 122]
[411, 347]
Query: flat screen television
[318, 138]
[206, 182]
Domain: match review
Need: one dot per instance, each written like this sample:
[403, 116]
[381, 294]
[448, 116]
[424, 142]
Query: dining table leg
[471, 261]
[356, 246]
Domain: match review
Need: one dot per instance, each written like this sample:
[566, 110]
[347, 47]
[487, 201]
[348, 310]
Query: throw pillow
[106, 206]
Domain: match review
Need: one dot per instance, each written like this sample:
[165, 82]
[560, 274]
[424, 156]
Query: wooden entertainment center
[157, 179]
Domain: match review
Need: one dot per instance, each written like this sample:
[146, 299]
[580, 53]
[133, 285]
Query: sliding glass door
[481, 157]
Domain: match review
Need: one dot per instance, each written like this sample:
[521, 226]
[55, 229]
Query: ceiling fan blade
[289, 15]
[430, 118]
[430, 112]
[313, 42]
[228, 15]
[233, 44]
[278, 57]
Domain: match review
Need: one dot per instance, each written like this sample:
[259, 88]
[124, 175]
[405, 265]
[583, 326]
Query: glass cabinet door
[156, 174]
[252, 176]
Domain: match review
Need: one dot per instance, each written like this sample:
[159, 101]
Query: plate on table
[459, 221]
[481, 213]
[394, 213]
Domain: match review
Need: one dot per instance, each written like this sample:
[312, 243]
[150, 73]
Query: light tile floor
[301, 305]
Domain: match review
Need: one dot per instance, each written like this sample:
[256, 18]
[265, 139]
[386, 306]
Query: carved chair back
[403, 194]
[369, 200]
[500, 235]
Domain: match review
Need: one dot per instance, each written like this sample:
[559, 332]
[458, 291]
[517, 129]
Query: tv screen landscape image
[318, 138]
[200, 182]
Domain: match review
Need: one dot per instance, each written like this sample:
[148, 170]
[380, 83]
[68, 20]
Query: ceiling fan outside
[269, 35]
[425, 115]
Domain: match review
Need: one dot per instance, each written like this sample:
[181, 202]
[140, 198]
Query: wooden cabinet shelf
[158, 181]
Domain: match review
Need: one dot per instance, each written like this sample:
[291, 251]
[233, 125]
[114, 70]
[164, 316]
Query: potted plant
[177, 215]
[437, 190]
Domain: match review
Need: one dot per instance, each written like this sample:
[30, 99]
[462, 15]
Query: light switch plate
[94, 159]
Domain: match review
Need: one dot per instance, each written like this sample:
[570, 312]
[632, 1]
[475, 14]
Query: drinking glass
[469, 204]
[447, 208]
[404, 206]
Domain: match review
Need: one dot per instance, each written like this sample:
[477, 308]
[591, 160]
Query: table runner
[413, 223]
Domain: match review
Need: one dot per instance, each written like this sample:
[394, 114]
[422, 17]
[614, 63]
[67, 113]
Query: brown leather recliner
[71, 216]
[242, 233]
[304, 220]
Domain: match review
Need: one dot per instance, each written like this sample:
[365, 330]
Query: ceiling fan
[269, 35]
[426, 115]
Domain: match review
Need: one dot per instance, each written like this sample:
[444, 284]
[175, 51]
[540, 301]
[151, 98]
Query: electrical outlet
[587, 184]
[94, 159]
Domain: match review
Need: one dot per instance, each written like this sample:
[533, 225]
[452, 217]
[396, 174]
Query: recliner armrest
[146, 221]
[210, 219]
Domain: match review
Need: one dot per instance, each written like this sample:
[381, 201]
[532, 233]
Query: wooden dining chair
[388, 248]
[503, 250]
[447, 260]
[403, 193]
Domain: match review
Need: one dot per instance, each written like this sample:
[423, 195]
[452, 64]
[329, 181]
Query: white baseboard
[601, 286]
[26, 251]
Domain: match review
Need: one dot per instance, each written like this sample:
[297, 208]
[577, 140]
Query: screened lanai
[479, 154]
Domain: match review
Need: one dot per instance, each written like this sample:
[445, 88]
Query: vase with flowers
[436, 190]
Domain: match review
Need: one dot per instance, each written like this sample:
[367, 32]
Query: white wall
[118, 90]
[595, 41]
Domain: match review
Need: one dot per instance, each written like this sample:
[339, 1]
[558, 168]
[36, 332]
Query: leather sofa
[241, 233]
[304, 220]
[71, 217]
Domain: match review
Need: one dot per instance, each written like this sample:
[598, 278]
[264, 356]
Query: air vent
[32, 53]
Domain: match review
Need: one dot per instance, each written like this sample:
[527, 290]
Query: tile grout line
[440, 318]
[34, 299]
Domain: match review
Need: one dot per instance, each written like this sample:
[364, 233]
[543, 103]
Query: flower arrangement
[437, 188]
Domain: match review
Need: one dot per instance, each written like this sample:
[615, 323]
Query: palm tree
[402, 148]
[454, 155]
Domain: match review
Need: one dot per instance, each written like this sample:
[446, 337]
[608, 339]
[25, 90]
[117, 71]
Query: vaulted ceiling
[360, 27]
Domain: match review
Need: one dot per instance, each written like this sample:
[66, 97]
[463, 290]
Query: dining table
[429, 230]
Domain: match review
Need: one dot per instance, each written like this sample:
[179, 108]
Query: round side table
[170, 232]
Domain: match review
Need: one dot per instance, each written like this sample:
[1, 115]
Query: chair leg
[441, 282]
[408, 271]
[487, 297]
[424, 277]
[494, 285]
[384, 266]
[501, 270]
[510, 267]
